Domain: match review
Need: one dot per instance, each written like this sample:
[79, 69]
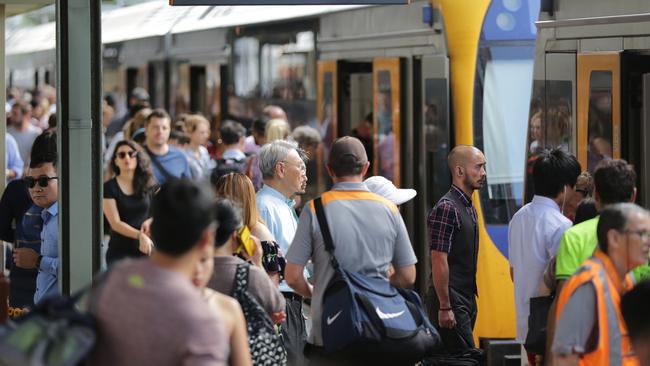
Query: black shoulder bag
[366, 315]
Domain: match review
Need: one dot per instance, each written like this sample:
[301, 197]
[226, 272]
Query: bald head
[460, 155]
[274, 112]
[467, 167]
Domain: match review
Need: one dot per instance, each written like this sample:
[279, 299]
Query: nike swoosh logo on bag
[331, 320]
[383, 315]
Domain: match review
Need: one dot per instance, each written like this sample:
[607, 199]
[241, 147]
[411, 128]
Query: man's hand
[446, 319]
[25, 257]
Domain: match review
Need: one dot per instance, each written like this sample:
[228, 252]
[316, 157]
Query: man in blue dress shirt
[42, 182]
[284, 174]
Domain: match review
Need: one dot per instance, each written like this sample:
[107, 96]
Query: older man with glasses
[284, 174]
[590, 329]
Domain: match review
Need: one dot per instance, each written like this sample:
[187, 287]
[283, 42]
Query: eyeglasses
[42, 181]
[643, 234]
[301, 167]
[123, 154]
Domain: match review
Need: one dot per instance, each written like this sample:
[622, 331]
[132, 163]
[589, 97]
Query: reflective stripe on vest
[613, 347]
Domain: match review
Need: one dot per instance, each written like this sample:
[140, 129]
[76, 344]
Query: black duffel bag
[366, 315]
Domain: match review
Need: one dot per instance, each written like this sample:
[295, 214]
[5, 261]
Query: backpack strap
[158, 164]
[325, 231]
[240, 283]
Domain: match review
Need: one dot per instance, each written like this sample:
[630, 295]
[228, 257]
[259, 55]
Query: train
[432, 74]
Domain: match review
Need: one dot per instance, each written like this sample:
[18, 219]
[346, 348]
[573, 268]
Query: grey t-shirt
[149, 315]
[25, 140]
[577, 322]
[368, 233]
[259, 284]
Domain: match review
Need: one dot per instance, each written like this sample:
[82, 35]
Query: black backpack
[265, 343]
[230, 165]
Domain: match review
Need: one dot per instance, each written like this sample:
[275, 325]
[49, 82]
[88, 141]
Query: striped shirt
[444, 220]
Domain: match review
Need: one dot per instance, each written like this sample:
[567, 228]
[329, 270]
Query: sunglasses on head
[123, 154]
[42, 181]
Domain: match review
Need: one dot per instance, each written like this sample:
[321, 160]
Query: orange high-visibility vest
[600, 271]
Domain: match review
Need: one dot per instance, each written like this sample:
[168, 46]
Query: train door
[345, 106]
[431, 144]
[198, 90]
[599, 108]
[644, 150]
[635, 69]
[387, 78]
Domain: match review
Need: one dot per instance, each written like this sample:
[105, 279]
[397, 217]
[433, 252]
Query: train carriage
[431, 74]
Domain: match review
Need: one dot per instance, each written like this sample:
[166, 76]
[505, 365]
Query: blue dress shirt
[48, 271]
[280, 217]
[13, 160]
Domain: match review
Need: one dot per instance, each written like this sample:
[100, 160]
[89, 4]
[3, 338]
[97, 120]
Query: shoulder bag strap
[240, 283]
[158, 164]
[325, 231]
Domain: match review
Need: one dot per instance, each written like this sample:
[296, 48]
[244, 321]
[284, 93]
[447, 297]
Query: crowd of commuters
[225, 242]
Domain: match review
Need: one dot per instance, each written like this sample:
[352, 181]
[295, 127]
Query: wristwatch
[38, 261]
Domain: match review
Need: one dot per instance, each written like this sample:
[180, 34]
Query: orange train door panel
[386, 113]
[326, 111]
[599, 107]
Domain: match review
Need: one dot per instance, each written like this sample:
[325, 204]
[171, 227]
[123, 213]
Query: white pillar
[79, 140]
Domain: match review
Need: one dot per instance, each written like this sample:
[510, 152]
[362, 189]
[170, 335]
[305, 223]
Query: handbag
[265, 343]
[366, 315]
[537, 320]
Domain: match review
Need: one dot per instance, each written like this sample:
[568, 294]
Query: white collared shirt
[534, 235]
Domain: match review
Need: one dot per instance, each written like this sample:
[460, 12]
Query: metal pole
[79, 140]
[3, 99]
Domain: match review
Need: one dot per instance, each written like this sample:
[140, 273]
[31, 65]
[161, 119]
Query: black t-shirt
[133, 210]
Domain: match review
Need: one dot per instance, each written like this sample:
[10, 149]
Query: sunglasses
[42, 181]
[123, 154]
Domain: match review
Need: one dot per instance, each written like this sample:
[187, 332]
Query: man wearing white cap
[385, 188]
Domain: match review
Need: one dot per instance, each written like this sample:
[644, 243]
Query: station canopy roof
[15, 7]
[157, 18]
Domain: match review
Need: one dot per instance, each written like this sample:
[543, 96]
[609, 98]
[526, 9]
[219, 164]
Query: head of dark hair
[634, 306]
[157, 113]
[44, 150]
[143, 179]
[180, 137]
[553, 170]
[586, 210]
[229, 216]
[51, 121]
[615, 181]
[615, 217]
[231, 132]
[181, 212]
[259, 125]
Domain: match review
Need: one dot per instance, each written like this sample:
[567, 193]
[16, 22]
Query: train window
[501, 111]
[599, 118]
[285, 69]
[504, 74]
[436, 131]
[246, 68]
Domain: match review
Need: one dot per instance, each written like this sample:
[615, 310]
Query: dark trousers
[459, 339]
[316, 356]
[294, 334]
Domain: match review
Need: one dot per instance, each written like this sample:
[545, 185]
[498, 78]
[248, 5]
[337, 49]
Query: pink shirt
[148, 315]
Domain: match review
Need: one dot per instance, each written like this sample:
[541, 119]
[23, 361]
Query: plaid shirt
[444, 221]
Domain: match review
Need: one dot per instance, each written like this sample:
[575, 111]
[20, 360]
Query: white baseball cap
[387, 189]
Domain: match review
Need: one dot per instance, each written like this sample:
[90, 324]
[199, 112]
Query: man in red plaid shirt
[453, 231]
